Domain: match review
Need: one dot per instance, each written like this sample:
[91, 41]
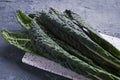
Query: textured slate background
[103, 15]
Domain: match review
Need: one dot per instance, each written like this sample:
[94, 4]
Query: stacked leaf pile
[64, 37]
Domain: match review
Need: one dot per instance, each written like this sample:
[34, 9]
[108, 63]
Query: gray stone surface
[103, 15]
[50, 66]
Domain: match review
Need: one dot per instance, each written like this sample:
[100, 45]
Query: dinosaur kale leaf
[23, 19]
[19, 40]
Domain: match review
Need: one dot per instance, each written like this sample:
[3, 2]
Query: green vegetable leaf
[23, 19]
[19, 40]
[95, 36]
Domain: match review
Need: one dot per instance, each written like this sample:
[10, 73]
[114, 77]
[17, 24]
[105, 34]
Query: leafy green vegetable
[39, 42]
[64, 45]
[51, 49]
[23, 19]
[69, 32]
[93, 34]
[19, 40]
